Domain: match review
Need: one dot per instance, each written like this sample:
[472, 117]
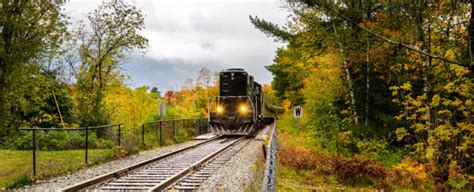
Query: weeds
[20, 181]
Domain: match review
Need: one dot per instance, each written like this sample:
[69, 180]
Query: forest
[387, 93]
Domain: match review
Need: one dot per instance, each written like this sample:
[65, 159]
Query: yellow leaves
[401, 133]
[132, 107]
[420, 127]
[459, 71]
[412, 169]
[345, 112]
[400, 117]
[444, 112]
[406, 86]
[435, 100]
[457, 102]
[429, 152]
[346, 137]
[394, 92]
[443, 132]
[450, 87]
[418, 103]
[450, 54]
[469, 103]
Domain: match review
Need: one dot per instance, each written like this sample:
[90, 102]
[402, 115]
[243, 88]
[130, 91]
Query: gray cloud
[207, 45]
[185, 36]
[166, 74]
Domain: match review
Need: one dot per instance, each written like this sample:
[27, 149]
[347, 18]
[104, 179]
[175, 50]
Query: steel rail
[193, 180]
[123, 171]
[170, 181]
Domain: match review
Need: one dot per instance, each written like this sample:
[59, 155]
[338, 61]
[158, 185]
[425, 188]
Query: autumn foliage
[387, 80]
[356, 170]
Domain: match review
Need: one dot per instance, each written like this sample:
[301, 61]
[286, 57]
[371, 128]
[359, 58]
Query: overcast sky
[185, 36]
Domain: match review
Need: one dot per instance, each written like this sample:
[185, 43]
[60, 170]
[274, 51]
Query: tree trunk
[424, 46]
[471, 34]
[367, 83]
[349, 79]
[350, 86]
[2, 92]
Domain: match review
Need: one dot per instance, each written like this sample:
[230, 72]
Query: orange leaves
[410, 172]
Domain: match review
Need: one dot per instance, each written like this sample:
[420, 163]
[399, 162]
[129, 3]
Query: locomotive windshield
[233, 83]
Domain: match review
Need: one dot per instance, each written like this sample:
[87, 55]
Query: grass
[17, 169]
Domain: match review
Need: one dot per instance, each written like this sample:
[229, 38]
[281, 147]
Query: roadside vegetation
[386, 90]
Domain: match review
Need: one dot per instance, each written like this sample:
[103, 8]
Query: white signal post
[298, 113]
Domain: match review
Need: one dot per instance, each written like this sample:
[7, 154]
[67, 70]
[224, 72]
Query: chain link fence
[56, 150]
[268, 183]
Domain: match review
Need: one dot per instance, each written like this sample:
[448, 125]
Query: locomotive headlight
[243, 109]
[220, 109]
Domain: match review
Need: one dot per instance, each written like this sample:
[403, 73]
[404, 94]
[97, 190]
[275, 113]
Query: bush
[20, 181]
[359, 168]
[410, 173]
[301, 158]
[119, 152]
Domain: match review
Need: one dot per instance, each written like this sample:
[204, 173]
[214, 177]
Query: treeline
[56, 73]
[382, 78]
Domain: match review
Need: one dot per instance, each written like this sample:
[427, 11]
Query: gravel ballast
[238, 172]
[62, 181]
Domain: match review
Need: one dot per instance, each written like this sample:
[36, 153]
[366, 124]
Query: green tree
[30, 32]
[112, 32]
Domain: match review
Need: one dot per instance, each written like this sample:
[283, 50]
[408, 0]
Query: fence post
[34, 152]
[156, 129]
[87, 141]
[119, 134]
[143, 134]
[197, 126]
[174, 129]
[161, 133]
[200, 126]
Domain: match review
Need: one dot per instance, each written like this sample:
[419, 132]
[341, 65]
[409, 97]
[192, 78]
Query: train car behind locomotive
[238, 110]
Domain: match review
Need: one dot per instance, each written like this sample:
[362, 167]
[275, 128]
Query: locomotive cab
[238, 107]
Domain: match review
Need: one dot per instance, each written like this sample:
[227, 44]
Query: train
[240, 107]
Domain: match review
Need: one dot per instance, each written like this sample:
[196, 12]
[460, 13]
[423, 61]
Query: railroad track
[193, 180]
[184, 169]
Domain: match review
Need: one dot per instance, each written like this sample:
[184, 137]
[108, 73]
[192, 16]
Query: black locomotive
[239, 108]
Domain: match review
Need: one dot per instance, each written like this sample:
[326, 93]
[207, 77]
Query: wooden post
[34, 152]
[174, 129]
[143, 134]
[161, 133]
[87, 143]
[119, 134]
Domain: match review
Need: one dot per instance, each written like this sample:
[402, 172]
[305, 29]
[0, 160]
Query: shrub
[359, 168]
[301, 158]
[119, 151]
[104, 144]
[410, 173]
[20, 181]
